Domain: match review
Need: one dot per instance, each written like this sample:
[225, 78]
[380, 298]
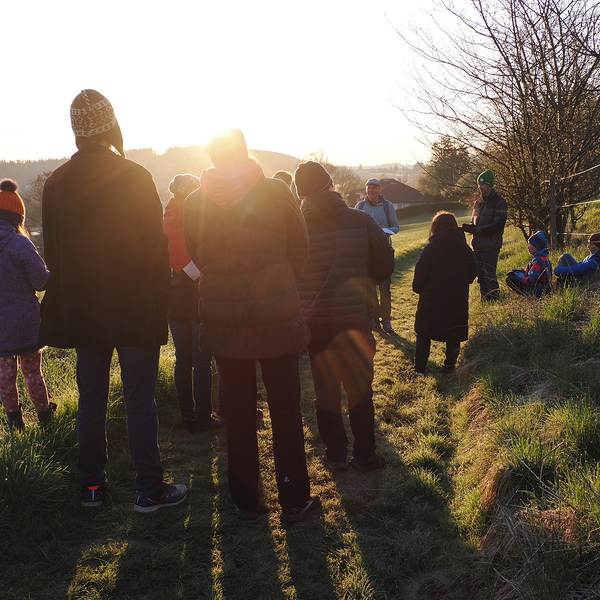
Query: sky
[295, 77]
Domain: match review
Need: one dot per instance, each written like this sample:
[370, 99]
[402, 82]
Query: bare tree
[516, 82]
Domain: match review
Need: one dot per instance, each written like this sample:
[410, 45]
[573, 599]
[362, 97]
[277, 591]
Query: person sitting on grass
[537, 276]
[570, 269]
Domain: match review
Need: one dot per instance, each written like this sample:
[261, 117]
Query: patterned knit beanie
[12, 208]
[311, 177]
[93, 118]
[539, 240]
[486, 177]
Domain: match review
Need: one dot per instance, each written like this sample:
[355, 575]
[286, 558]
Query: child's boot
[45, 416]
[15, 420]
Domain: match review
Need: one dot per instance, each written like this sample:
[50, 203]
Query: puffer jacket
[442, 277]
[489, 216]
[347, 247]
[22, 272]
[586, 267]
[250, 249]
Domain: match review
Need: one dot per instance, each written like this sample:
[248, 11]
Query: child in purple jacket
[22, 272]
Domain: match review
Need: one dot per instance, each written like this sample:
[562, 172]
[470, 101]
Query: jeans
[422, 353]
[346, 359]
[281, 377]
[139, 372]
[381, 308]
[193, 372]
[486, 262]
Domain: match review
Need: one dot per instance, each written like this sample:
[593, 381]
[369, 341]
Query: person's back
[108, 289]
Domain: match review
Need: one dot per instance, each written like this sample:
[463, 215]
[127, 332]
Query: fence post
[553, 236]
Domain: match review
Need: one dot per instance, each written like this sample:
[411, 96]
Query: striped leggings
[31, 367]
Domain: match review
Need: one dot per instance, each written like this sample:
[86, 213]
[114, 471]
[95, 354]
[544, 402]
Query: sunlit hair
[442, 220]
[183, 185]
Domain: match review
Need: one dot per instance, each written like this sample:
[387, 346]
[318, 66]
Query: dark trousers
[422, 353]
[486, 262]
[281, 377]
[193, 372]
[139, 372]
[346, 360]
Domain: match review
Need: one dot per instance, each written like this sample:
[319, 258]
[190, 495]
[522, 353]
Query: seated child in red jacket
[537, 276]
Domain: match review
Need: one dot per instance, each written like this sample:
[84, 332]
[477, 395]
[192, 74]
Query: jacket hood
[451, 239]
[227, 185]
[6, 233]
[323, 206]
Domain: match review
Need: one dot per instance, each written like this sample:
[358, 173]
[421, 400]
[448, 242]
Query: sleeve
[422, 271]
[32, 264]
[297, 234]
[381, 253]
[393, 218]
[190, 218]
[471, 265]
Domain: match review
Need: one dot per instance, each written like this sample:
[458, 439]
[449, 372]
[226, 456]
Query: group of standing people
[240, 273]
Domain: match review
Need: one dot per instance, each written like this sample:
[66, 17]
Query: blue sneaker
[297, 513]
[168, 495]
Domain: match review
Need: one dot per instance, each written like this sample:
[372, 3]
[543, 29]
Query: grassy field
[492, 488]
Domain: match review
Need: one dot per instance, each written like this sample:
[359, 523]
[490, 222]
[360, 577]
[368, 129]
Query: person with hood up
[246, 235]
[348, 250]
[22, 272]
[442, 277]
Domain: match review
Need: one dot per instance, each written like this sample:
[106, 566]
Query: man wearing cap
[569, 268]
[246, 235]
[487, 226]
[347, 249]
[384, 213]
[108, 288]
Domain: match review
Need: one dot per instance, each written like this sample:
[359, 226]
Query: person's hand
[469, 228]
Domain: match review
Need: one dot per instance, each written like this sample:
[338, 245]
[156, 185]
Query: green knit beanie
[486, 177]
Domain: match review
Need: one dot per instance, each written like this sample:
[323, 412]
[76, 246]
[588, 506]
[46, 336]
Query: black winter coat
[489, 216]
[347, 247]
[442, 277]
[106, 252]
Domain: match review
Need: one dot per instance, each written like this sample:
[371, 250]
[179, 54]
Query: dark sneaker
[446, 370]
[370, 464]
[168, 495]
[92, 495]
[214, 422]
[335, 465]
[374, 324]
[387, 326]
[297, 513]
[240, 513]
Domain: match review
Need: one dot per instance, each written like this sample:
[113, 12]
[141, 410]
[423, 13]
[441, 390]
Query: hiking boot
[168, 495]
[240, 513]
[369, 464]
[297, 513]
[92, 495]
[335, 465]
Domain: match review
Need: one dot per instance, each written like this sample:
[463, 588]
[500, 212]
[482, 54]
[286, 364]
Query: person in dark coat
[22, 272]
[347, 248]
[109, 288]
[193, 369]
[247, 236]
[487, 226]
[442, 277]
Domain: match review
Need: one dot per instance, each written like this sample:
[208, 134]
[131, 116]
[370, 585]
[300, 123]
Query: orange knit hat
[9, 199]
